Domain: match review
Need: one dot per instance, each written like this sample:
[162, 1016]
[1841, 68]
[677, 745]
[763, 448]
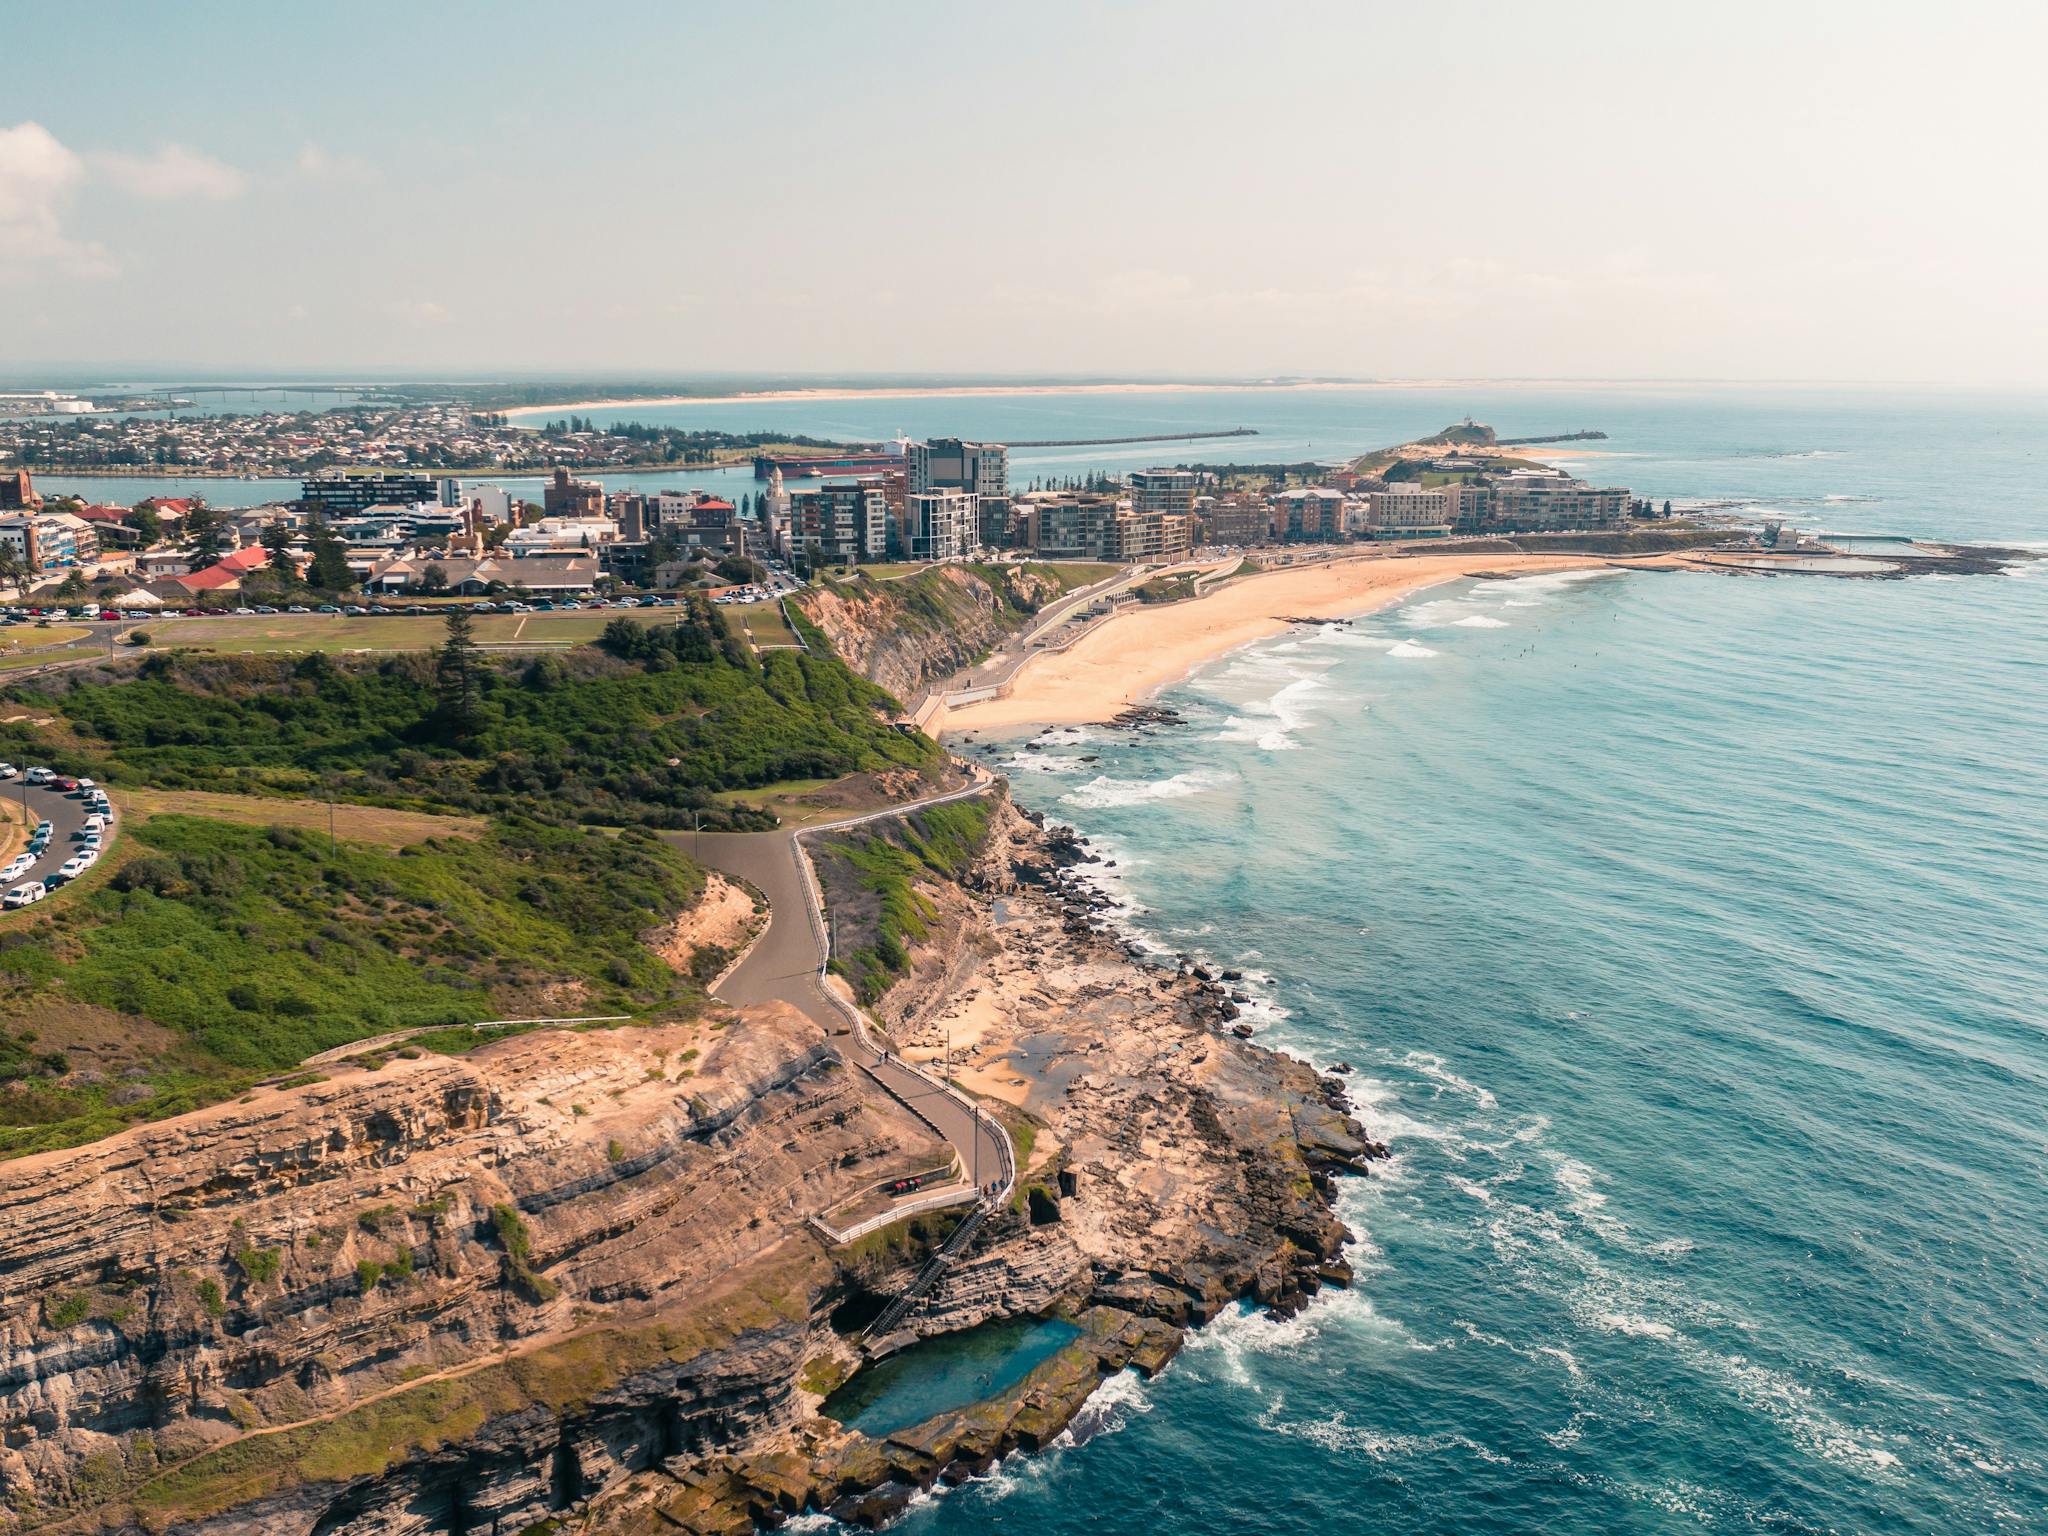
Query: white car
[73, 867]
[9, 771]
[22, 895]
[87, 786]
[95, 824]
[86, 858]
[21, 866]
[40, 775]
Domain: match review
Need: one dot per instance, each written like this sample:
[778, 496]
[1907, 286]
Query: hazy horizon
[1823, 193]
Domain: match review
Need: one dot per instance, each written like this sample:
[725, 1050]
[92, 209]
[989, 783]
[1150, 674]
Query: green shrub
[260, 1265]
[518, 1245]
[66, 1311]
[210, 1298]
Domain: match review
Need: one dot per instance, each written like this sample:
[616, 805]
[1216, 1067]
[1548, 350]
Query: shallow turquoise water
[946, 1374]
[1687, 936]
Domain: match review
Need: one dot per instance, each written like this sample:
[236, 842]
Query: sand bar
[1144, 649]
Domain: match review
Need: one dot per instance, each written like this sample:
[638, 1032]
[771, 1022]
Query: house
[224, 575]
[540, 574]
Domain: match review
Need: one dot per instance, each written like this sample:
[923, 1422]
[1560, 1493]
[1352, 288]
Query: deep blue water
[1687, 934]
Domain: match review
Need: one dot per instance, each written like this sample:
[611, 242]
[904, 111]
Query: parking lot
[65, 811]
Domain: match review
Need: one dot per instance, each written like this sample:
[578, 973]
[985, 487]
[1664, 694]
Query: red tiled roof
[211, 579]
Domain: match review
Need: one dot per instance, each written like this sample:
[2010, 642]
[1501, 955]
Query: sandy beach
[1144, 649]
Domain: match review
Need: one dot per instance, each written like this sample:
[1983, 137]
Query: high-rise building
[1163, 490]
[941, 525]
[982, 469]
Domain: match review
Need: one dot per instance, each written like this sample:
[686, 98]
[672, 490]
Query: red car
[64, 782]
[109, 615]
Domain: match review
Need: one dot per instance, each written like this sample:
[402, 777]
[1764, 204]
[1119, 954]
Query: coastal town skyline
[1058, 194]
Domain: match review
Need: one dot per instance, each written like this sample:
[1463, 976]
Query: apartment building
[1170, 491]
[1311, 516]
[1404, 510]
[336, 493]
[847, 521]
[42, 540]
[1537, 503]
[942, 524]
[1240, 517]
[1128, 534]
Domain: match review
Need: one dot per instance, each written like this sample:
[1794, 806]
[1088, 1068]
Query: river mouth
[945, 1374]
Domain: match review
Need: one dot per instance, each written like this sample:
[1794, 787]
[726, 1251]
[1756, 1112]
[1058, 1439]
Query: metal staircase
[927, 1277]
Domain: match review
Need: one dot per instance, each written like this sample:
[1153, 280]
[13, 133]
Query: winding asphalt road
[786, 963]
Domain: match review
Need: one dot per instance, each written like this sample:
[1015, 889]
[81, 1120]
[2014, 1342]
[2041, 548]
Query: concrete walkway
[787, 965]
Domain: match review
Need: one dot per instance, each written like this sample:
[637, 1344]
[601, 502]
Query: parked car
[86, 784]
[22, 895]
[40, 775]
[265, 608]
[298, 608]
[9, 771]
[355, 610]
[328, 608]
[63, 782]
[109, 615]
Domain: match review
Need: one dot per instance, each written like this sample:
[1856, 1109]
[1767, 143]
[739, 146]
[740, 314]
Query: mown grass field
[301, 632]
[762, 623]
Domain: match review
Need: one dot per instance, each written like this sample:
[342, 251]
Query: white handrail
[856, 1020]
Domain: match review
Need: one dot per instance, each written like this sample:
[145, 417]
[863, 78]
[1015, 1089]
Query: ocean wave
[1337, 1433]
[1480, 621]
[1408, 650]
[1103, 792]
[1433, 1068]
[1269, 724]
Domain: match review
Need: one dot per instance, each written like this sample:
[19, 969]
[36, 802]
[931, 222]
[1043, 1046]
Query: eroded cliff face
[567, 1277]
[910, 633]
[1173, 1169]
[448, 1295]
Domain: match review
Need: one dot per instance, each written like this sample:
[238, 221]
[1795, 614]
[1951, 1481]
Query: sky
[1429, 189]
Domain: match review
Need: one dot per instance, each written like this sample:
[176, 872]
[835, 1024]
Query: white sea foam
[1103, 791]
[1270, 724]
[1433, 1068]
[1480, 621]
[1408, 650]
[1338, 1435]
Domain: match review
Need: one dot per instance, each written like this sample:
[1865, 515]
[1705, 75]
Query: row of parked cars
[90, 836]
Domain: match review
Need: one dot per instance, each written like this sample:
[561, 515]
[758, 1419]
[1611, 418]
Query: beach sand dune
[1145, 649]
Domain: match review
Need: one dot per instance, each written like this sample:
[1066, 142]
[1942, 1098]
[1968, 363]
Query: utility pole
[330, 828]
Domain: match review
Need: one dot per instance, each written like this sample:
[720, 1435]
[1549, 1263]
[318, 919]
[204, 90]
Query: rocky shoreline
[567, 1278]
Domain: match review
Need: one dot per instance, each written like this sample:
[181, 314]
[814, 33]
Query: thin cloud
[317, 164]
[37, 174]
[174, 173]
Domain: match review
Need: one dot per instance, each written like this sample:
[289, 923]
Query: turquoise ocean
[1688, 938]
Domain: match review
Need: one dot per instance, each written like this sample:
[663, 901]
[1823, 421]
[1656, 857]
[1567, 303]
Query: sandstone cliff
[474, 1289]
[914, 631]
[567, 1278]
